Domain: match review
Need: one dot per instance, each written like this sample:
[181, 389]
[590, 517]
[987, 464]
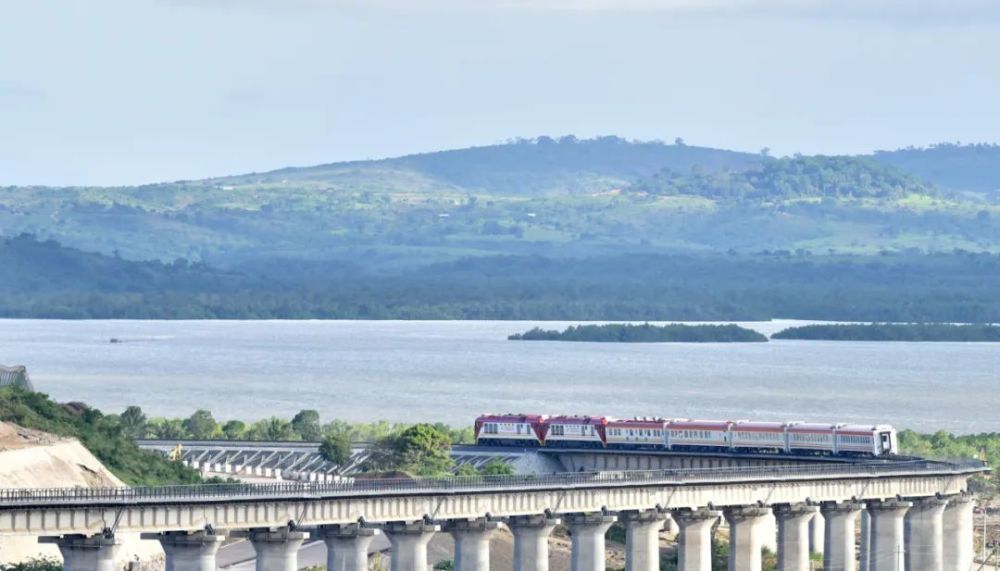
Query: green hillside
[954, 166]
[543, 197]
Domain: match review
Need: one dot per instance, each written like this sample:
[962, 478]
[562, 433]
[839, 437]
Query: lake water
[451, 371]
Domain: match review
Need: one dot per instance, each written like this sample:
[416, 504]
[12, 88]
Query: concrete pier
[277, 549]
[472, 543]
[887, 537]
[924, 533]
[587, 532]
[642, 539]
[838, 543]
[83, 553]
[185, 551]
[409, 544]
[694, 538]
[531, 541]
[346, 546]
[817, 533]
[793, 535]
[745, 536]
[958, 532]
[864, 555]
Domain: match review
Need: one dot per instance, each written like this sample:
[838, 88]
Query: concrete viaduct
[917, 515]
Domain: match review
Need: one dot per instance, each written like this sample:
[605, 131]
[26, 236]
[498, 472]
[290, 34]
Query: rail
[214, 493]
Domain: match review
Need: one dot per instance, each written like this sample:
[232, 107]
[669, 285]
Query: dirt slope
[33, 459]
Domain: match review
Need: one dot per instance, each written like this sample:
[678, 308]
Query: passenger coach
[740, 436]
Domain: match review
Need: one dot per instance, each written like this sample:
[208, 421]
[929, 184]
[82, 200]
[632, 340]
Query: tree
[134, 422]
[496, 467]
[306, 424]
[234, 429]
[271, 429]
[336, 448]
[425, 450]
[171, 429]
[201, 425]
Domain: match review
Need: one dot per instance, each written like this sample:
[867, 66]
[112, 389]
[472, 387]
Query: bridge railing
[458, 484]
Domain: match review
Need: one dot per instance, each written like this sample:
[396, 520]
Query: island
[892, 332]
[645, 333]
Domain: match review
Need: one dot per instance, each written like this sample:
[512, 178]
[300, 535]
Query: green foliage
[446, 565]
[273, 428]
[201, 425]
[791, 178]
[105, 436]
[134, 422]
[942, 445]
[336, 448]
[496, 467]
[35, 564]
[422, 449]
[233, 429]
[306, 425]
[893, 332]
[645, 333]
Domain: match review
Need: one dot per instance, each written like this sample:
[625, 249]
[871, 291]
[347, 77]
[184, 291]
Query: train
[729, 436]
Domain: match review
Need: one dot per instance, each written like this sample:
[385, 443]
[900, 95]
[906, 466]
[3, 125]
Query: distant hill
[545, 197]
[953, 166]
[31, 266]
[532, 166]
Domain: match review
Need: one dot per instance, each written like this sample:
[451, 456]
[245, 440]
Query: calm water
[451, 371]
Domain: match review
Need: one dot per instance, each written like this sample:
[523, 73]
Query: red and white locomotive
[741, 436]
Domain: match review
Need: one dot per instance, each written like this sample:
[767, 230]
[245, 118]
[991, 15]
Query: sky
[113, 92]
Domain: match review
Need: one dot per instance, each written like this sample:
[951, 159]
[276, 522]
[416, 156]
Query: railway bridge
[918, 514]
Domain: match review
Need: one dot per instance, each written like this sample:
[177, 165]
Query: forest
[645, 333]
[44, 279]
[893, 332]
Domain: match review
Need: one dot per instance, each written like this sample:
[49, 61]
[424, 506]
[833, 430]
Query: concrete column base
[277, 549]
[924, 535]
[745, 537]
[83, 553]
[886, 545]
[531, 541]
[188, 551]
[793, 535]
[642, 539]
[588, 553]
[958, 532]
[838, 544]
[409, 544]
[694, 538]
[472, 543]
[346, 546]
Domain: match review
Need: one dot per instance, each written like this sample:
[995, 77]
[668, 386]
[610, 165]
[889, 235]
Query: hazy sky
[131, 91]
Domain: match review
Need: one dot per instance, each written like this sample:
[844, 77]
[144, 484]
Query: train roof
[812, 427]
[577, 420]
[860, 428]
[758, 426]
[702, 424]
[512, 417]
[638, 422]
